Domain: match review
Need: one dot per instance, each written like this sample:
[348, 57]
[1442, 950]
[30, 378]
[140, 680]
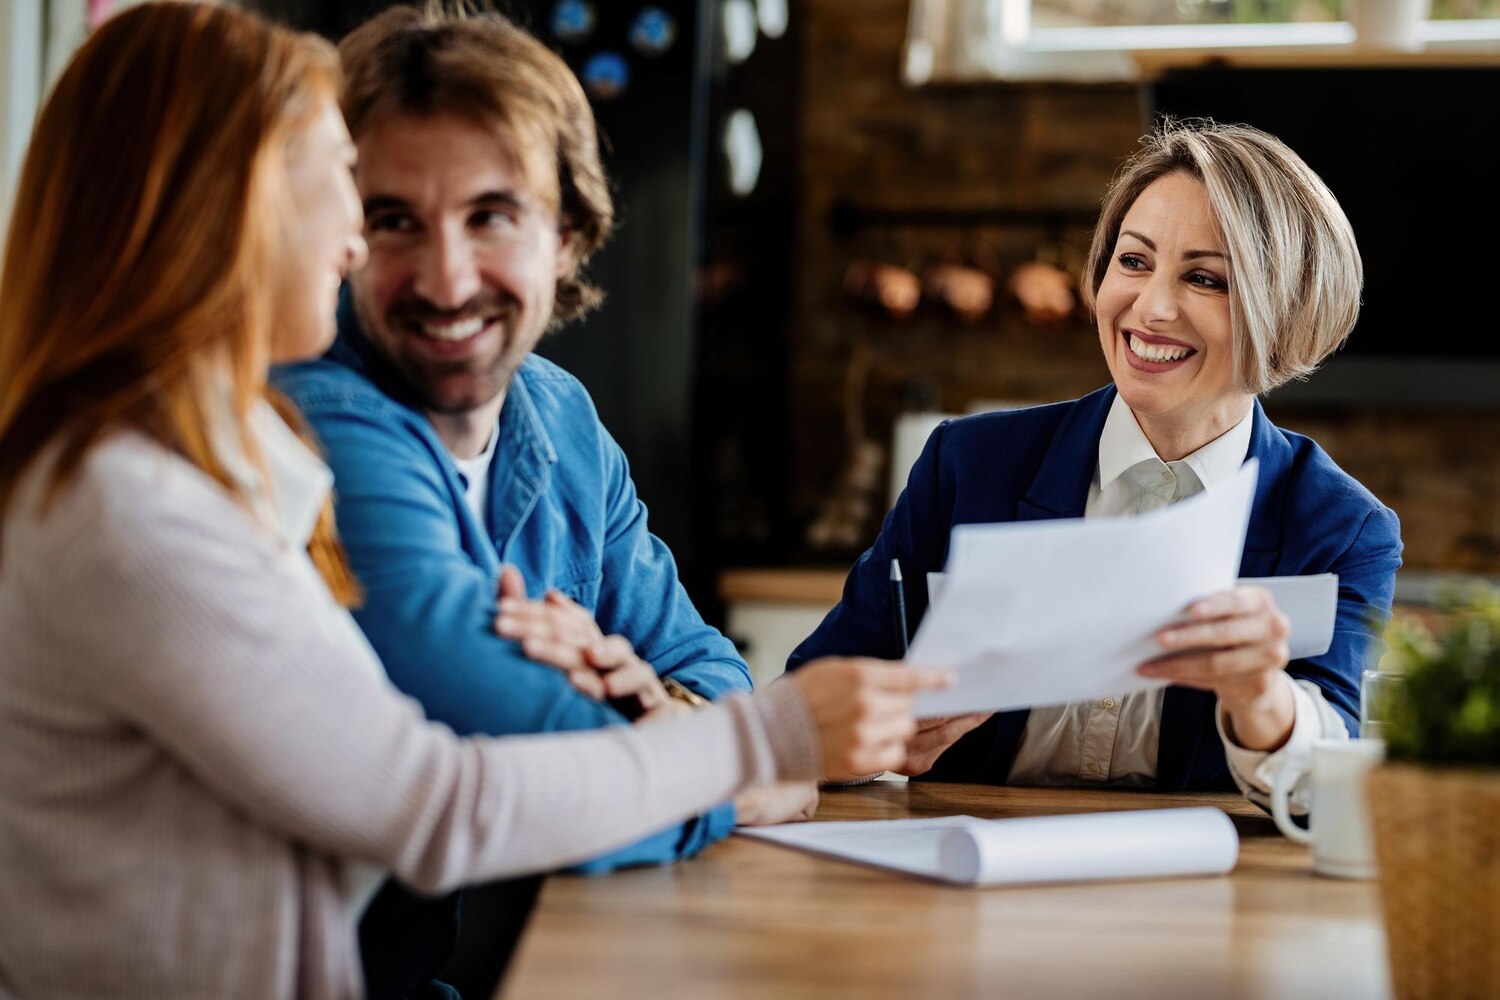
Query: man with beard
[463, 463]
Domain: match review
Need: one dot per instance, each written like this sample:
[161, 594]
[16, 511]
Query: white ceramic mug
[1388, 24]
[1340, 824]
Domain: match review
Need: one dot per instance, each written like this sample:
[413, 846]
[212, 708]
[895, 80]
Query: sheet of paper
[1310, 602]
[901, 845]
[1146, 843]
[1045, 612]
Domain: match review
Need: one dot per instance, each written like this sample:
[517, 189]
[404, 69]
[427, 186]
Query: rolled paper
[1145, 843]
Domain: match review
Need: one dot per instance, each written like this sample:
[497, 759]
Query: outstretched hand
[863, 711]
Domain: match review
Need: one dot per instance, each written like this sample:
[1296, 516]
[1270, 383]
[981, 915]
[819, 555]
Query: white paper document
[1310, 603]
[1046, 612]
[1145, 843]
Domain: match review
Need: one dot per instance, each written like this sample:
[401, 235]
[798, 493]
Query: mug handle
[1281, 789]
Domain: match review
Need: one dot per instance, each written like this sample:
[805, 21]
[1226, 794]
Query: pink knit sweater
[196, 743]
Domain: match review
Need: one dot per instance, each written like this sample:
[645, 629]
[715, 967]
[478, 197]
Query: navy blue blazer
[1309, 517]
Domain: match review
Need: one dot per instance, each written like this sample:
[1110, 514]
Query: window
[955, 40]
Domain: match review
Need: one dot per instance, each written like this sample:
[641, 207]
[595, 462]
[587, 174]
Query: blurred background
[843, 219]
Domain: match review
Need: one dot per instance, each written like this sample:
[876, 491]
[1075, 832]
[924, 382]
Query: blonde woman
[205, 772]
[1221, 268]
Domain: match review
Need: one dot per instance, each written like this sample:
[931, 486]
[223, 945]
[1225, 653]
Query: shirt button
[1109, 703]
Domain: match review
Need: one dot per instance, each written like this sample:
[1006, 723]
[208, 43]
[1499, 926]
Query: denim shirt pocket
[582, 584]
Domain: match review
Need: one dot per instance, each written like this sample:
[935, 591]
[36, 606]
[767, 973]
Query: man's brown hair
[443, 59]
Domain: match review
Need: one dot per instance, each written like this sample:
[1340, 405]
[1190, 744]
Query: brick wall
[866, 138]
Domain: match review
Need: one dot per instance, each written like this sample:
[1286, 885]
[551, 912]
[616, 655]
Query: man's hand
[783, 802]
[933, 736]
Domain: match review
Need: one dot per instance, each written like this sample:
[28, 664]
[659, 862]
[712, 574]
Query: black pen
[898, 606]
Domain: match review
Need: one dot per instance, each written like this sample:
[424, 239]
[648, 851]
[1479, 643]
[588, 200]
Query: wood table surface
[750, 919]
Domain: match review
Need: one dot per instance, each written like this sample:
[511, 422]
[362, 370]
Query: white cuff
[1254, 771]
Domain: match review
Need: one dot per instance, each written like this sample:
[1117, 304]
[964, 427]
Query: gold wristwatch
[678, 691]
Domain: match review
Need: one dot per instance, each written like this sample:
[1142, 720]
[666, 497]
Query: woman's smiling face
[1163, 315]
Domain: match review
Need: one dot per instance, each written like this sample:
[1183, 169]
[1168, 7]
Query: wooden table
[753, 920]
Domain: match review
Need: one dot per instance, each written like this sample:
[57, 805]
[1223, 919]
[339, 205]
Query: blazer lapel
[1061, 486]
[1263, 539]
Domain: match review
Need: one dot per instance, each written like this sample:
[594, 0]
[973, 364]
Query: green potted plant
[1435, 804]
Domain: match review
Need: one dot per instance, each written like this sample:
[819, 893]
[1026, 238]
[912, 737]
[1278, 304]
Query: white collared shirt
[1113, 740]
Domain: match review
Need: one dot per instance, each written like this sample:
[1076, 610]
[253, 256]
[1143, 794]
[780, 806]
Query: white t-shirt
[476, 476]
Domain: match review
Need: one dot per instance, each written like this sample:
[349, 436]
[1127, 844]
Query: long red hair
[140, 261]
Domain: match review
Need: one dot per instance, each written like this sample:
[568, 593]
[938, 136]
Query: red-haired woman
[203, 771]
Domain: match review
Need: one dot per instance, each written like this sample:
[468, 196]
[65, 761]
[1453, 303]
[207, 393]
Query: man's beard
[447, 387]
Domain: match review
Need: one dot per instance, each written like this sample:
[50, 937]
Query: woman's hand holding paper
[1235, 645]
[862, 710]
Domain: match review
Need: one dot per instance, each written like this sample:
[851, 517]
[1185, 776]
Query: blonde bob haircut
[1295, 270]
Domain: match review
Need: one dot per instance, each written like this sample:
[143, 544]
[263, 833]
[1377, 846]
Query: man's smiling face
[465, 255]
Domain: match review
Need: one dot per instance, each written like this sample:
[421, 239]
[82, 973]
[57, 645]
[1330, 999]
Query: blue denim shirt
[562, 509]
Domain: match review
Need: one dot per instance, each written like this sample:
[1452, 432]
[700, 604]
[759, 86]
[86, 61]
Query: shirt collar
[1222, 457]
[520, 419]
[1123, 445]
[299, 484]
